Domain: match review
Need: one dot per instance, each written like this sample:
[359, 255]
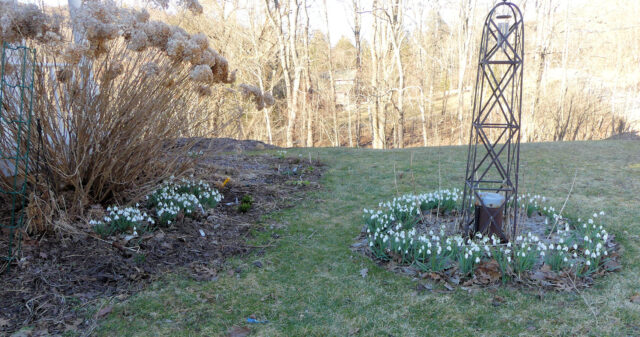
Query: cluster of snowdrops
[172, 198]
[394, 233]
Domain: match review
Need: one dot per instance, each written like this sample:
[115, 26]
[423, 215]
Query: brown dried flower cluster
[102, 21]
[19, 20]
[261, 99]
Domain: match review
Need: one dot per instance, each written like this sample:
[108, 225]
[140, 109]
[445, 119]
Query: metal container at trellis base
[489, 214]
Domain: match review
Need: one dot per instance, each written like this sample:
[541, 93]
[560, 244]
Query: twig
[573, 284]
[114, 244]
[314, 231]
[413, 179]
[563, 205]
[395, 178]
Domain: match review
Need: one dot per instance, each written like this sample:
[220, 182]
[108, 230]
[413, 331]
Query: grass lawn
[310, 282]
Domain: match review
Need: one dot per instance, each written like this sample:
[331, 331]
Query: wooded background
[409, 82]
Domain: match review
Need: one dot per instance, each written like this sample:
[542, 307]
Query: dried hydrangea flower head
[261, 99]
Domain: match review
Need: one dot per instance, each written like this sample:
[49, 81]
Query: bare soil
[56, 283]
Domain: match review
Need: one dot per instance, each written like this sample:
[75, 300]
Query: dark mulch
[55, 283]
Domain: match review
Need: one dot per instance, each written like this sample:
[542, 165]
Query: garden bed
[419, 235]
[55, 284]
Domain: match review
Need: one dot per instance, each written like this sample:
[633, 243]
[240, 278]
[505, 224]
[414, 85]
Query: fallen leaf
[455, 279]
[422, 287]
[497, 301]
[488, 272]
[448, 286]
[239, 331]
[359, 244]
[635, 298]
[612, 265]
[364, 272]
[538, 275]
[104, 311]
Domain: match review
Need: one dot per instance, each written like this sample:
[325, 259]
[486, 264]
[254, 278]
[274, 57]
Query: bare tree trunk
[376, 124]
[544, 32]
[565, 60]
[307, 91]
[331, 79]
[288, 54]
[358, 78]
[465, 37]
[397, 37]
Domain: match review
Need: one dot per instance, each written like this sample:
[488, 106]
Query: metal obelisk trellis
[16, 105]
[494, 144]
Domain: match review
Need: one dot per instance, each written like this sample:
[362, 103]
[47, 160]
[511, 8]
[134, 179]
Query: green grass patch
[310, 283]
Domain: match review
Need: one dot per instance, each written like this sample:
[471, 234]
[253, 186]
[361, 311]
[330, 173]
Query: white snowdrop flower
[602, 213]
[477, 259]
[509, 259]
[593, 255]
[605, 253]
[595, 215]
[575, 246]
[588, 263]
[575, 255]
[590, 221]
[586, 238]
[587, 252]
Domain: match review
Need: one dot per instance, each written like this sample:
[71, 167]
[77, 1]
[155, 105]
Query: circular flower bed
[419, 235]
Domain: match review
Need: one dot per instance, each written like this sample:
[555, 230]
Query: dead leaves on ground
[487, 273]
[104, 311]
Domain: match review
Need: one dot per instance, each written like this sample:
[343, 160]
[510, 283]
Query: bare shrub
[111, 107]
